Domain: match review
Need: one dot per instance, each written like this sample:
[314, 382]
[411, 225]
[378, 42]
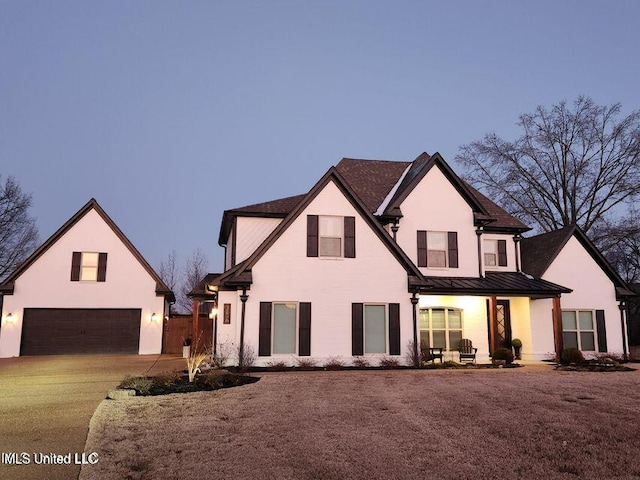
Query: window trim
[445, 251]
[578, 330]
[84, 266]
[493, 242]
[447, 329]
[341, 237]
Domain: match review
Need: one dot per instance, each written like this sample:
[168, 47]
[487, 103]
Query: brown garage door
[59, 331]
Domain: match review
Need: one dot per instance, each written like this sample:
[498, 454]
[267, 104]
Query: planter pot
[186, 350]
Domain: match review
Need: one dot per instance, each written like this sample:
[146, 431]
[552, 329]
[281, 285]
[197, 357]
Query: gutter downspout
[480, 269]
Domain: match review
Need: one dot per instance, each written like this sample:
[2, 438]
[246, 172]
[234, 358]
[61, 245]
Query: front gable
[435, 204]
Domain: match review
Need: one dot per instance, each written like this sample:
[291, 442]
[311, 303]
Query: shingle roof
[503, 219]
[372, 180]
[537, 253]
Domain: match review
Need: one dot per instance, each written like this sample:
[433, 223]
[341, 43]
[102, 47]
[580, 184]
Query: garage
[64, 331]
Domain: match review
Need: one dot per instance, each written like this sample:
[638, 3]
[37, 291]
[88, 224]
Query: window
[490, 253]
[437, 249]
[88, 267]
[578, 330]
[284, 327]
[375, 339]
[440, 328]
[331, 235]
[375, 328]
[495, 253]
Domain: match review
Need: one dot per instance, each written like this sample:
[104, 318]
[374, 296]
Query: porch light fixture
[213, 313]
[154, 317]
[10, 318]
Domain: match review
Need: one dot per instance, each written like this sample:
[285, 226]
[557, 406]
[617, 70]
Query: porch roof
[494, 283]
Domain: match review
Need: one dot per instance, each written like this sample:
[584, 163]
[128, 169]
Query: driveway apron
[46, 404]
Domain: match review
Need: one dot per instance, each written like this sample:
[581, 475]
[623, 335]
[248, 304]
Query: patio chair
[430, 354]
[467, 351]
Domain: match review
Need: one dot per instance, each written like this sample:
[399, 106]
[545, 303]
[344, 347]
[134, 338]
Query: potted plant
[516, 343]
[186, 347]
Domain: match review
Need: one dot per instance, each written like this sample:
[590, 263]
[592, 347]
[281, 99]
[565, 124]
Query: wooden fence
[179, 327]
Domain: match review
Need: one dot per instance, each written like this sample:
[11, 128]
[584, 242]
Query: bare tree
[619, 241]
[18, 232]
[195, 269]
[576, 164]
[169, 270]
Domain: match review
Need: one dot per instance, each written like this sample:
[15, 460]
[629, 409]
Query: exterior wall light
[154, 317]
[10, 318]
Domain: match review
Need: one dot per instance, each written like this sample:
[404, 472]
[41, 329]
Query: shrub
[223, 352]
[334, 363]
[141, 385]
[246, 357]
[413, 356]
[607, 358]
[305, 363]
[516, 343]
[360, 362]
[277, 366]
[165, 379]
[571, 355]
[389, 362]
[503, 354]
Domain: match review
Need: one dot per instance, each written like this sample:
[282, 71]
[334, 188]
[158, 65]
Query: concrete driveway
[46, 404]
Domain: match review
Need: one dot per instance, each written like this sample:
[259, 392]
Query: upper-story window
[331, 236]
[437, 249]
[495, 253]
[88, 267]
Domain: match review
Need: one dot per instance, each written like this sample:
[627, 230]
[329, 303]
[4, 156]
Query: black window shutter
[394, 329]
[422, 248]
[304, 333]
[502, 253]
[453, 249]
[357, 330]
[312, 235]
[350, 237]
[264, 340]
[602, 331]
[102, 267]
[75, 266]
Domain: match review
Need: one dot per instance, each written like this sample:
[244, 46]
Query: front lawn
[527, 423]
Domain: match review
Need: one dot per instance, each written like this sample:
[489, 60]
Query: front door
[503, 332]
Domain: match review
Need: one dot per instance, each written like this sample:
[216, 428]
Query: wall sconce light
[213, 313]
[154, 317]
[10, 318]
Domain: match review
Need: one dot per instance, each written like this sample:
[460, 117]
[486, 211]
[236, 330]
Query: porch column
[243, 298]
[195, 324]
[622, 306]
[493, 324]
[480, 259]
[557, 328]
[414, 305]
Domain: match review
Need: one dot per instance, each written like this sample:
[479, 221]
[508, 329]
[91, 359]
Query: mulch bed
[146, 386]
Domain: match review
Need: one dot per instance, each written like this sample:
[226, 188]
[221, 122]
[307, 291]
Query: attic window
[88, 267]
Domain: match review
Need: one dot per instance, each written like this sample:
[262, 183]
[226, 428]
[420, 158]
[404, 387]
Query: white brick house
[380, 254]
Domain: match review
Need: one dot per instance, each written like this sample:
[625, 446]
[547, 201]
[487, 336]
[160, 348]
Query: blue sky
[169, 113]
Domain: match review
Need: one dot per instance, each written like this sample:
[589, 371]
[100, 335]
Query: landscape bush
[571, 355]
[503, 354]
